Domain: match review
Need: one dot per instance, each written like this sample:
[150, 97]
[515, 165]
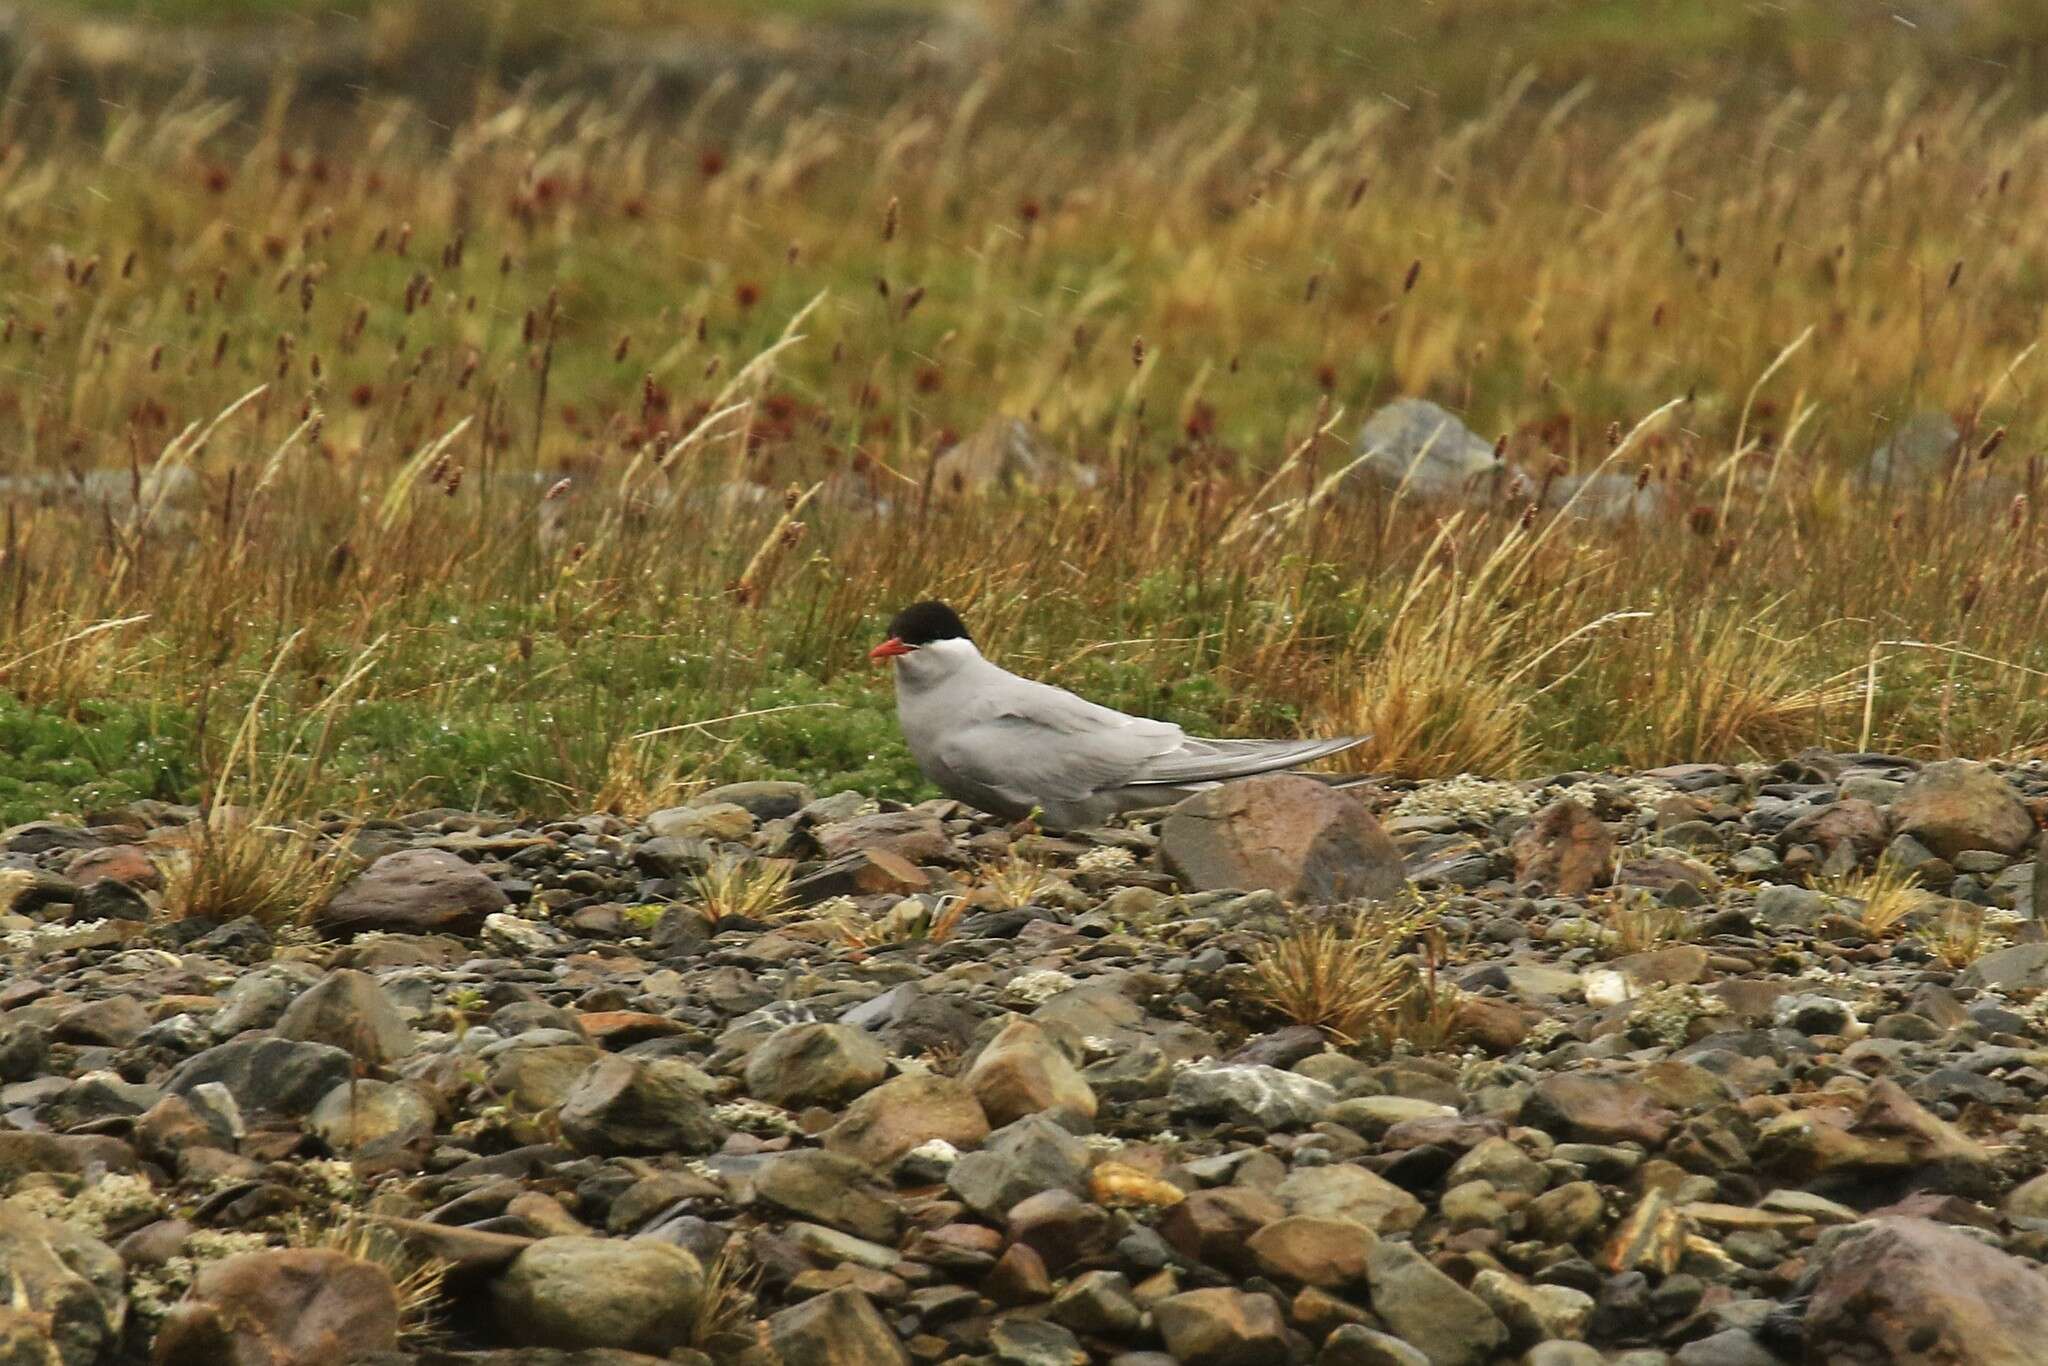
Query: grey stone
[838, 1328]
[1244, 1093]
[1021, 1159]
[1415, 446]
[832, 1190]
[627, 1105]
[815, 1064]
[1425, 1307]
[348, 1010]
[282, 1076]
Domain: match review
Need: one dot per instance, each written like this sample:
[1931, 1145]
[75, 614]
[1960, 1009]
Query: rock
[1021, 1159]
[73, 1286]
[904, 1113]
[841, 1328]
[350, 1011]
[1283, 833]
[1729, 1347]
[2028, 1200]
[1414, 446]
[832, 1190]
[1345, 1191]
[702, 820]
[1423, 1306]
[1356, 1345]
[1565, 849]
[1216, 1226]
[279, 1076]
[1313, 1250]
[1906, 1289]
[1595, 1108]
[1098, 1303]
[112, 1022]
[1534, 1313]
[282, 1307]
[1567, 1214]
[915, 836]
[1502, 1165]
[23, 1154]
[371, 1118]
[1023, 1072]
[2021, 966]
[815, 1064]
[1914, 455]
[1958, 805]
[636, 1294]
[1847, 832]
[1034, 1342]
[1222, 1328]
[1251, 1094]
[625, 1105]
[413, 891]
[539, 1077]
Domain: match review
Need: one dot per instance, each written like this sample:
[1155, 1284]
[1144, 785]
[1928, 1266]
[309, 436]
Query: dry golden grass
[1637, 923]
[1882, 899]
[741, 889]
[1957, 936]
[1355, 980]
[607, 416]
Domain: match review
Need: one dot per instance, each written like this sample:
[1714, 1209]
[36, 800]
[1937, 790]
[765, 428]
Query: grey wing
[1035, 738]
[1197, 761]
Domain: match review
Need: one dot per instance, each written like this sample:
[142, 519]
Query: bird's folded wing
[1198, 761]
[1044, 740]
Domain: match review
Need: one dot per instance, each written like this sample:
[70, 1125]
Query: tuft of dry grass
[724, 1321]
[1352, 980]
[1010, 883]
[742, 889]
[1637, 923]
[909, 921]
[1883, 898]
[1957, 936]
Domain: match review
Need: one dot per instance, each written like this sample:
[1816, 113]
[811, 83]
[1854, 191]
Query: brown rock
[915, 836]
[1285, 833]
[1590, 1107]
[1023, 1072]
[905, 1111]
[1313, 1250]
[465, 1250]
[414, 891]
[840, 1329]
[1651, 1238]
[1910, 1290]
[1215, 1226]
[1958, 805]
[282, 1307]
[1118, 1185]
[129, 863]
[1222, 1328]
[1888, 1113]
[1565, 848]
[1847, 832]
[1018, 1277]
[1493, 1024]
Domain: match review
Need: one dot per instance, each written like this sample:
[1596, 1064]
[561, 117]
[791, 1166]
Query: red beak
[889, 649]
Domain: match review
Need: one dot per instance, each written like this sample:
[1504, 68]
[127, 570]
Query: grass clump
[1353, 980]
[1883, 899]
[741, 889]
[1637, 923]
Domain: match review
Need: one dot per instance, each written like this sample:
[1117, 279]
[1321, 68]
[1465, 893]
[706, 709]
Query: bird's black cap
[922, 623]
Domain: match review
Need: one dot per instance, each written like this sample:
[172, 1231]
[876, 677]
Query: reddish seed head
[746, 294]
[710, 162]
[362, 395]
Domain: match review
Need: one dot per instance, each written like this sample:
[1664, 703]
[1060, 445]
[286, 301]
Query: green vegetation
[332, 343]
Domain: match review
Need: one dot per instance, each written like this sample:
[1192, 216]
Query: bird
[1020, 749]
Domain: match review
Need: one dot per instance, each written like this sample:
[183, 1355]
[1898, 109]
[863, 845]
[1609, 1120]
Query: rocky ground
[1676, 1091]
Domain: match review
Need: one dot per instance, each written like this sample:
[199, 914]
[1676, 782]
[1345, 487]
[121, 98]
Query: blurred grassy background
[1174, 238]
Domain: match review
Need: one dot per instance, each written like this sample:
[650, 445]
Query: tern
[1018, 748]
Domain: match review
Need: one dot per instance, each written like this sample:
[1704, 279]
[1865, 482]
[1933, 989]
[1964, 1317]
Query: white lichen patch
[1667, 1015]
[153, 1290]
[1468, 796]
[1107, 858]
[1036, 988]
[754, 1117]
